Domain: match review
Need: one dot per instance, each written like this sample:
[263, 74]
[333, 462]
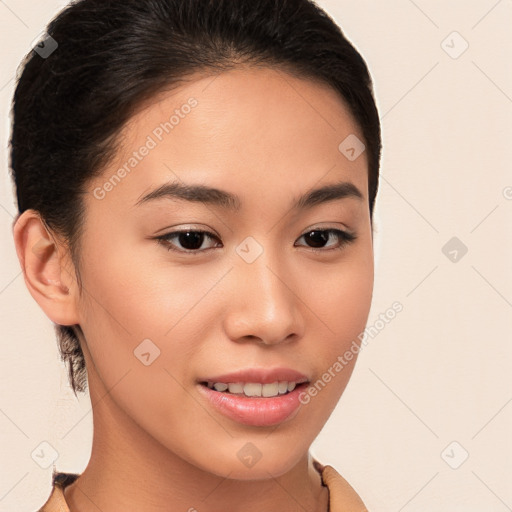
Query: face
[243, 285]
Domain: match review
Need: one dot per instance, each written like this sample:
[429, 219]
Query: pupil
[191, 239]
[319, 238]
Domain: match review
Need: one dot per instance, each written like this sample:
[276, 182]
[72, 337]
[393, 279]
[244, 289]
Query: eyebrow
[226, 200]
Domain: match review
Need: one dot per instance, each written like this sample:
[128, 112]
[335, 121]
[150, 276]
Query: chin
[250, 463]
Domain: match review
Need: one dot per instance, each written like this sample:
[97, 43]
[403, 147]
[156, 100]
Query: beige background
[440, 371]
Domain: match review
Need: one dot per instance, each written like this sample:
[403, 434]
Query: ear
[47, 268]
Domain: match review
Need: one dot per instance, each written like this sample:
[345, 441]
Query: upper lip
[259, 375]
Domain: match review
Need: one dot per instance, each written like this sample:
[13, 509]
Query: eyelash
[344, 236]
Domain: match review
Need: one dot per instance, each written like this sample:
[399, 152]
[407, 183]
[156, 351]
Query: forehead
[238, 128]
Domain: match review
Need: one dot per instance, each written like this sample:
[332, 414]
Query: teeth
[254, 389]
[237, 387]
[283, 388]
[270, 389]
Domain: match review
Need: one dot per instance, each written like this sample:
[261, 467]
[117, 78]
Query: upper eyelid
[214, 236]
[207, 231]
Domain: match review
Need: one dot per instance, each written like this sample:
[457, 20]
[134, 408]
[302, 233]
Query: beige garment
[342, 498]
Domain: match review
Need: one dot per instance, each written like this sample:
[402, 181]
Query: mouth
[256, 397]
[255, 389]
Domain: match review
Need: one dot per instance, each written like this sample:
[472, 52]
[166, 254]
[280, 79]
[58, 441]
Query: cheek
[132, 308]
[340, 295]
[340, 300]
[141, 292]
[141, 336]
[343, 309]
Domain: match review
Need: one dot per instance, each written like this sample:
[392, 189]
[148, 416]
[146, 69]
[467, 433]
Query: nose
[264, 303]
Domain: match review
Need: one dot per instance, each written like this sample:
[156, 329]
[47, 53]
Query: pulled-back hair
[104, 58]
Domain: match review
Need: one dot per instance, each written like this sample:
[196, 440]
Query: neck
[129, 469]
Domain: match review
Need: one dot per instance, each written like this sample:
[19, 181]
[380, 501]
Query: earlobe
[43, 262]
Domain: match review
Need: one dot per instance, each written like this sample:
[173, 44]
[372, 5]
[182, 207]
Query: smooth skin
[268, 138]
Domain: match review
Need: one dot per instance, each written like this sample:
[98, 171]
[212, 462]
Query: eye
[320, 237]
[190, 240]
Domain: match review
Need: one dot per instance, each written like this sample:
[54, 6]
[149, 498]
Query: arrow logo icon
[146, 352]
[454, 249]
[454, 45]
[249, 455]
[249, 249]
[455, 455]
[352, 147]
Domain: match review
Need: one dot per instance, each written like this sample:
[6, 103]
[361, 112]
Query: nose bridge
[266, 306]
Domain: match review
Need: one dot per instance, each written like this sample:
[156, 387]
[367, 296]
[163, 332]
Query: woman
[195, 182]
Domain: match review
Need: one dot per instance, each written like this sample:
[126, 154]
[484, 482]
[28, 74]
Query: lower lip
[257, 411]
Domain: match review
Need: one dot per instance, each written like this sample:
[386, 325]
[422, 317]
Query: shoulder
[342, 496]
[56, 501]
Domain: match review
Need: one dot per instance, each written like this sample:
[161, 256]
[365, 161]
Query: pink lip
[256, 411]
[262, 375]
